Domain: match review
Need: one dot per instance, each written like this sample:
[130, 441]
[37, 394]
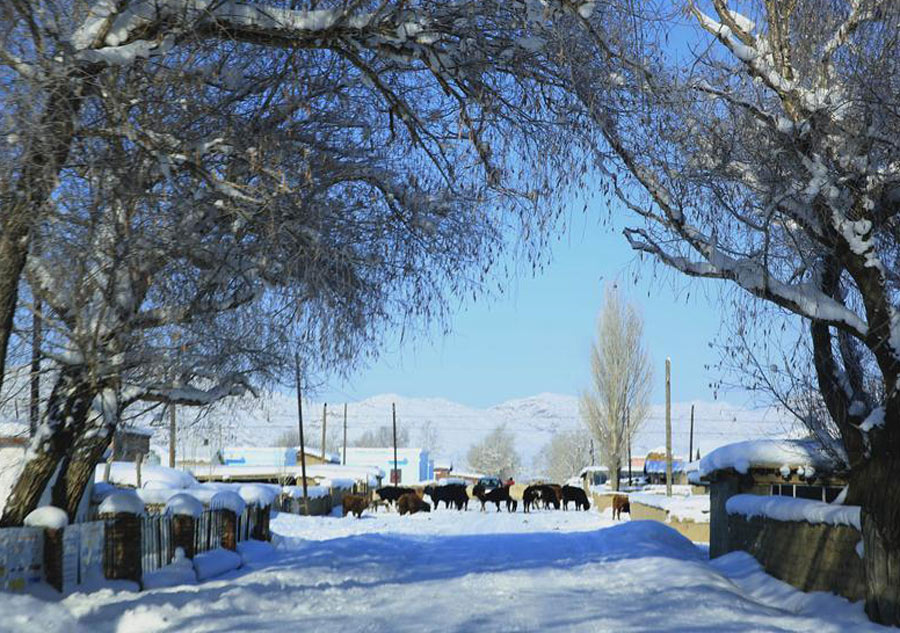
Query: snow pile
[125, 474]
[338, 482]
[791, 509]
[313, 492]
[156, 496]
[179, 572]
[681, 508]
[122, 502]
[184, 505]
[257, 495]
[215, 562]
[742, 456]
[660, 489]
[48, 517]
[255, 551]
[227, 500]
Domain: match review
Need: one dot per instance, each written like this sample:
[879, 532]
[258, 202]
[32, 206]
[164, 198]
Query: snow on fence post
[122, 513]
[53, 521]
[228, 505]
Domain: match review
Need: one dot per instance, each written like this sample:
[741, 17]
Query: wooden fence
[122, 546]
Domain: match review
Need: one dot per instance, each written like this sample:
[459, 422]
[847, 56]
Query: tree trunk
[64, 421]
[876, 491]
[78, 470]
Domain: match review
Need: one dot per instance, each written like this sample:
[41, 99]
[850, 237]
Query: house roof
[742, 456]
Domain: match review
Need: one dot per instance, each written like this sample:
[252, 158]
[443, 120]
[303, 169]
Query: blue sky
[536, 337]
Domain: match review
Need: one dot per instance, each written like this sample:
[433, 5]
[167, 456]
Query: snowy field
[465, 572]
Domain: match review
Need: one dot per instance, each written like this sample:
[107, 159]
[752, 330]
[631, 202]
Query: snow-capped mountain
[534, 420]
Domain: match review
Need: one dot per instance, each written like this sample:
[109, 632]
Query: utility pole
[171, 436]
[592, 451]
[324, 414]
[302, 443]
[344, 454]
[395, 476]
[668, 427]
[691, 444]
[628, 437]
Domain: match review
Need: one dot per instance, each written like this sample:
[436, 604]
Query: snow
[122, 502]
[156, 496]
[253, 551]
[742, 456]
[873, 420]
[260, 496]
[125, 474]
[184, 505]
[215, 562]
[48, 517]
[179, 572]
[681, 508]
[313, 492]
[227, 500]
[454, 571]
[791, 509]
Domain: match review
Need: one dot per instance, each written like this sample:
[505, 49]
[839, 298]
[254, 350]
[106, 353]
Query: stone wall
[698, 532]
[818, 557]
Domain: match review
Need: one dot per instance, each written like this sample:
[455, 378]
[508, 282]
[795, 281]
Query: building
[442, 468]
[655, 467]
[130, 442]
[413, 464]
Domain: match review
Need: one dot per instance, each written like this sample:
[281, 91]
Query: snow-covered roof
[791, 509]
[138, 430]
[465, 475]
[592, 469]
[443, 464]
[742, 456]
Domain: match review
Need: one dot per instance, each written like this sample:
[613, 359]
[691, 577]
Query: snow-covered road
[466, 572]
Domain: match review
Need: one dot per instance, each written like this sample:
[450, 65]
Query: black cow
[551, 494]
[576, 494]
[392, 493]
[500, 495]
[530, 497]
[450, 494]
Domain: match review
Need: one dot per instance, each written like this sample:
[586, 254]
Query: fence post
[229, 529]
[122, 551]
[183, 527]
[261, 527]
[53, 557]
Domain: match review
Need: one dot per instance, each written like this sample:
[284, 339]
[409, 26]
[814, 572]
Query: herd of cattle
[409, 501]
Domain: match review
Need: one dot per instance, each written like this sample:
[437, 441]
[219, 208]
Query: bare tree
[565, 455]
[429, 438]
[218, 186]
[617, 403]
[383, 437]
[767, 157]
[496, 454]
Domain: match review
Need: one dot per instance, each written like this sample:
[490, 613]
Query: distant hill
[534, 420]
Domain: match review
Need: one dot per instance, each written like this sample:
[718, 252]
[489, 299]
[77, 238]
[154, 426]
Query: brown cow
[620, 504]
[356, 504]
[411, 503]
